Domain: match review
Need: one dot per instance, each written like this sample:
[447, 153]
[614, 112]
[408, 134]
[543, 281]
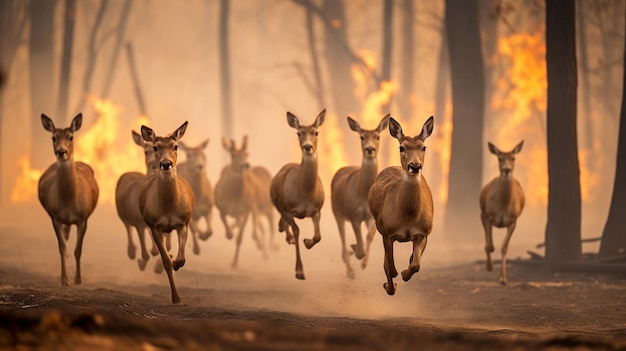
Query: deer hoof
[391, 290]
[78, 280]
[142, 264]
[131, 253]
[350, 274]
[229, 235]
[503, 282]
[408, 273]
[196, 250]
[206, 235]
[358, 251]
[178, 264]
[300, 275]
[309, 243]
[364, 263]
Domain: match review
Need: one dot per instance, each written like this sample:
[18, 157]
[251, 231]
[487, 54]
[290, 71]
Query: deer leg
[309, 243]
[141, 232]
[419, 244]
[131, 248]
[209, 231]
[241, 222]
[345, 254]
[229, 233]
[359, 253]
[505, 247]
[155, 250]
[286, 227]
[371, 225]
[81, 229]
[488, 241]
[61, 235]
[193, 228]
[159, 239]
[272, 230]
[182, 241]
[390, 269]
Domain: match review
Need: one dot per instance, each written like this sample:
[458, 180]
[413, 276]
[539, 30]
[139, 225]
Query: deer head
[412, 149]
[307, 135]
[62, 138]
[238, 157]
[195, 155]
[369, 138]
[148, 151]
[165, 148]
[506, 160]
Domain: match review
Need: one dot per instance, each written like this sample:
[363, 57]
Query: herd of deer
[397, 201]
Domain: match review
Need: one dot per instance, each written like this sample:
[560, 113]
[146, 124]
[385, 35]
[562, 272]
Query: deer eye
[401, 148]
[512, 158]
[299, 135]
[424, 149]
[54, 139]
[175, 147]
[362, 137]
[378, 137]
[154, 148]
[317, 133]
[71, 138]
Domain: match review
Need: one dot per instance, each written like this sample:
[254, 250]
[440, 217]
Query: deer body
[349, 190]
[264, 205]
[402, 204]
[68, 191]
[127, 204]
[166, 200]
[194, 171]
[237, 194]
[296, 190]
[501, 203]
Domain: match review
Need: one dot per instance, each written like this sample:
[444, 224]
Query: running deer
[194, 172]
[264, 205]
[349, 189]
[401, 202]
[166, 200]
[68, 192]
[501, 203]
[236, 194]
[297, 191]
[127, 204]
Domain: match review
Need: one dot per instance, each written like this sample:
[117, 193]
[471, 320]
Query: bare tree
[69, 20]
[407, 59]
[466, 157]
[563, 230]
[613, 236]
[227, 114]
[41, 63]
[387, 47]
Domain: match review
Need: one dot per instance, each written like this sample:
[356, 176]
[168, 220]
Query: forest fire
[107, 148]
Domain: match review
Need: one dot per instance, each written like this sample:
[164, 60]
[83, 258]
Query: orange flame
[25, 188]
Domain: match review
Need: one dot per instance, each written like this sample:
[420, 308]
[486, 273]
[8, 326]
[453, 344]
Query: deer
[166, 200]
[236, 195]
[194, 172]
[402, 204]
[297, 191]
[349, 190]
[68, 191]
[501, 203]
[264, 204]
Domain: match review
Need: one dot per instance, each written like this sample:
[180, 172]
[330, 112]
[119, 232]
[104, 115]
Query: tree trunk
[119, 39]
[614, 235]
[319, 88]
[41, 63]
[407, 60]
[466, 71]
[387, 47]
[227, 114]
[69, 20]
[564, 203]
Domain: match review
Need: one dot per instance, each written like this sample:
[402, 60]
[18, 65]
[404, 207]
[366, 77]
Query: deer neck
[195, 182]
[368, 173]
[236, 181]
[167, 188]
[505, 189]
[409, 195]
[66, 180]
[307, 173]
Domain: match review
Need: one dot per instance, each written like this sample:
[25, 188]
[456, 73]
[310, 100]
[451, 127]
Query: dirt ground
[452, 304]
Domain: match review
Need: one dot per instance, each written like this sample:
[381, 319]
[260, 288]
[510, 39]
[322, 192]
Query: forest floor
[261, 306]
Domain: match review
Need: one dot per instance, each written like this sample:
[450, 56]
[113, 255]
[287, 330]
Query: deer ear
[518, 148]
[137, 138]
[47, 123]
[427, 128]
[293, 120]
[227, 144]
[178, 133]
[76, 122]
[493, 149]
[395, 129]
[148, 134]
[204, 144]
[319, 120]
[244, 143]
[354, 125]
[383, 123]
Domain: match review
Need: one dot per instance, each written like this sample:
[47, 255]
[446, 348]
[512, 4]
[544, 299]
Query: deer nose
[307, 147]
[245, 166]
[61, 153]
[506, 171]
[370, 150]
[166, 165]
[414, 168]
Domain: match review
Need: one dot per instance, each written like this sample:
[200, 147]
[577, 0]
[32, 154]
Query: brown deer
[501, 203]
[166, 200]
[264, 204]
[349, 189]
[194, 172]
[127, 204]
[236, 195]
[402, 204]
[297, 191]
[68, 191]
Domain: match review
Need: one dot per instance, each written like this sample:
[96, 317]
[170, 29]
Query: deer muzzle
[370, 151]
[61, 153]
[414, 168]
[166, 165]
[308, 148]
